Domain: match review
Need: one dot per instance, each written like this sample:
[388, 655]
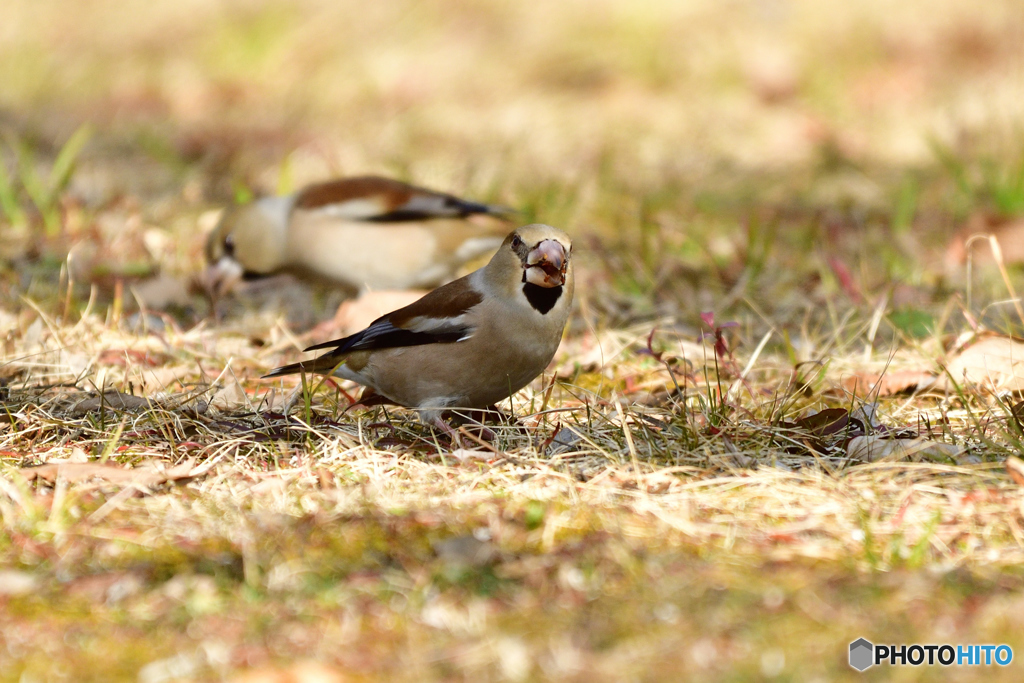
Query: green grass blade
[9, 204]
[64, 164]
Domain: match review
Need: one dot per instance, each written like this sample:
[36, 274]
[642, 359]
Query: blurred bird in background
[360, 233]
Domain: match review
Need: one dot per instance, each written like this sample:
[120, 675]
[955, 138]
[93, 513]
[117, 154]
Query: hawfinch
[470, 343]
[363, 232]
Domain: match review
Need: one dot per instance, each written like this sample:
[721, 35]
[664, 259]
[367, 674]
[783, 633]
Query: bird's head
[533, 256]
[249, 241]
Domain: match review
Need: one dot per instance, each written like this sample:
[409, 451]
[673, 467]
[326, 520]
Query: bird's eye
[229, 246]
[516, 242]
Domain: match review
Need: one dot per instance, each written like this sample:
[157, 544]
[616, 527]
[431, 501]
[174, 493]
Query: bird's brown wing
[437, 318]
[377, 199]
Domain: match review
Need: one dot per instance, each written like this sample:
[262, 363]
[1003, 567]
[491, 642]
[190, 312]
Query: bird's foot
[453, 435]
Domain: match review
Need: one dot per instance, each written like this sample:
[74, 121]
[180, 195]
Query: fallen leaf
[1015, 468]
[567, 439]
[993, 363]
[867, 413]
[229, 397]
[1009, 234]
[825, 422]
[146, 475]
[875, 448]
[878, 385]
[110, 400]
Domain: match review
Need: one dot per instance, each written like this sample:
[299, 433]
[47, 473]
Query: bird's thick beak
[546, 264]
[221, 277]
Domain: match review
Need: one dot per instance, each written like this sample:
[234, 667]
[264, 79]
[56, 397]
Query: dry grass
[658, 511]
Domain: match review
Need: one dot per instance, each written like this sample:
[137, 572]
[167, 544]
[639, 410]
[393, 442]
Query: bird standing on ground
[362, 232]
[467, 344]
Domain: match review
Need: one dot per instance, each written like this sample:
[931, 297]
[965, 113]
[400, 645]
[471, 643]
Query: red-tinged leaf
[708, 318]
[650, 349]
[547, 442]
[721, 348]
[846, 279]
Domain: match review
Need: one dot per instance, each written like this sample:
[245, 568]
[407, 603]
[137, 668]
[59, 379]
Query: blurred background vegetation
[785, 153]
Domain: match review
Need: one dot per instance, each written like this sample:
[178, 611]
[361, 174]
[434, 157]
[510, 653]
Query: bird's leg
[438, 422]
[348, 397]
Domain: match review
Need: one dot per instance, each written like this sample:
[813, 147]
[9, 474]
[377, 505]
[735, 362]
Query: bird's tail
[505, 212]
[324, 365]
[468, 208]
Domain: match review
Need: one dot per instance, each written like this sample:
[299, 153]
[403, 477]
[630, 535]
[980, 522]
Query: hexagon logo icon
[862, 654]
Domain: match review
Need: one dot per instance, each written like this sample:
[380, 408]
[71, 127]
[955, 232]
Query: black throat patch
[542, 298]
